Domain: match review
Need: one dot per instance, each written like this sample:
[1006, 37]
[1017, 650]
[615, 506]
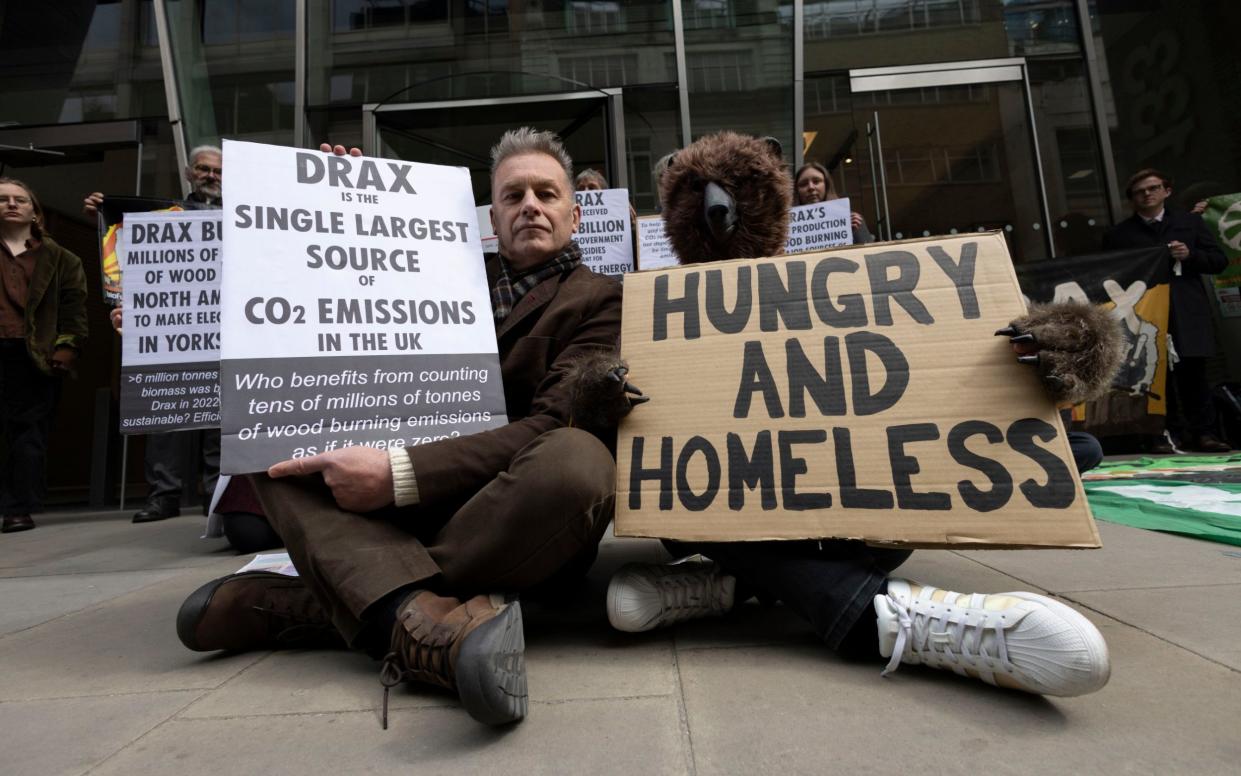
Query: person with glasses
[166, 453]
[42, 328]
[1192, 252]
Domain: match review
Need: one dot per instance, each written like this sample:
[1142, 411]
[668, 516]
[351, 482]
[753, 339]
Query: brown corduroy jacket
[556, 321]
[55, 303]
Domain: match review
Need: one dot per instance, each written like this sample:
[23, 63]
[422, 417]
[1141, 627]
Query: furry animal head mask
[726, 196]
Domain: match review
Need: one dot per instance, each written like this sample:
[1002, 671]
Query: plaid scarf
[510, 288]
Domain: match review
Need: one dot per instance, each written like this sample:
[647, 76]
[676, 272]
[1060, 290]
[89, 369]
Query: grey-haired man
[411, 554]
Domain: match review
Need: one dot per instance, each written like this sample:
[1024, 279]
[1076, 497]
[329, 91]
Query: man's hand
[1199, 207]
[91, 204]
[115, 317]
[1180, 251]
[360, 477]
[339, 150]
[63, 360]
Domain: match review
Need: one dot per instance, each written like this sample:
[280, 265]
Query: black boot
[158, 509]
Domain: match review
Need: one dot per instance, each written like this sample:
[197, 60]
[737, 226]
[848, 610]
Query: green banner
[1223, 217]
[1209, 511]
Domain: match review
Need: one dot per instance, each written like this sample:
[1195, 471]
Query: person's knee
[581, 466]
[1087, 452]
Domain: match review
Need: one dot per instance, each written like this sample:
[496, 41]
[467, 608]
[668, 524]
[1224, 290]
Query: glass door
[461, 132]
[939, 149]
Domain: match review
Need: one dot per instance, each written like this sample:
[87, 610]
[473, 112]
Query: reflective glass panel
[79, 60]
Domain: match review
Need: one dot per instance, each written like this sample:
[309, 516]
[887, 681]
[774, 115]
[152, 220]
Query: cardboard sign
[355, 306]
[604, 234]
[654, 247]
[855, 394]
[819, 226]
[170, 346]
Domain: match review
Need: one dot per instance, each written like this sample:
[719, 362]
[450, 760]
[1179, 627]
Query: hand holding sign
[360, 477]
[339, 150]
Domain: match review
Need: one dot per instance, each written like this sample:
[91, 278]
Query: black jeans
[830, 584]
[27, 402]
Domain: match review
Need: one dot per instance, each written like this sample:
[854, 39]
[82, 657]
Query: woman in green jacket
[42, 327]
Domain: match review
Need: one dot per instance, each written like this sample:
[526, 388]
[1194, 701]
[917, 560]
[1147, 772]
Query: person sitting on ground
[409, 553]
[813, 183]
[42, 329]
[845, 589]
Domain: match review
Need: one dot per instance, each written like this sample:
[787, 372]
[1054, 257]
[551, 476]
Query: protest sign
[1223, 218]
[356, 309]
[108, 217]
[819, 226]
[1134, 285]
[604, 234]
[654, 247]
[491, 243]
[856, 394]
[170, 344]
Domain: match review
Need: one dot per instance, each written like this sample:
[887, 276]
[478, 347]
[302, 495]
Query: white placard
[604, 234]
[654, 247]
[818, 226]
[491, 243]
[355, 306]
[170, 344]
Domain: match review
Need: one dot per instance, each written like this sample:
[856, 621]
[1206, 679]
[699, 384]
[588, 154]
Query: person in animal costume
[726, 196]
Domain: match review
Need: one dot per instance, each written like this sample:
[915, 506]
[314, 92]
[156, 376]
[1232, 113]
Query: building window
[719, 71]
[594, 17]
[837, 18]
[601, 69]
[348, 15]
[708, 14]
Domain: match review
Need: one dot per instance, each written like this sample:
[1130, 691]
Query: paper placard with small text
[170, 343]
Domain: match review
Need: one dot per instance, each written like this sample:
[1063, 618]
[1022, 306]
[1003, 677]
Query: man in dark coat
[407, 553]
[1193, 253]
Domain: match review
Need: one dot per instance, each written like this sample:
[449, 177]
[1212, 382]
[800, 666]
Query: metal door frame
[613, 105]
[977, 71]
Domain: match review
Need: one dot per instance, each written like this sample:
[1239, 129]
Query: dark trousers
[547, 511]
[27, 403]
[167, 456]
[1190, 410]
[830, 584]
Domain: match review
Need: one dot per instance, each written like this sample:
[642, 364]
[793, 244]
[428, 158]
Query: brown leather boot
[476, 648]
[254, 610]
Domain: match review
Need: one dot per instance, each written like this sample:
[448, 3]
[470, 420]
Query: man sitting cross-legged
[409, 554]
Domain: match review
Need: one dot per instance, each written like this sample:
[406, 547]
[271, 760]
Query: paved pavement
[93, 679]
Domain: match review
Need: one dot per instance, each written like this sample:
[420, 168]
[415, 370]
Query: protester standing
[813, 183]
[166, 453]
[1193, 253]
[42, 328]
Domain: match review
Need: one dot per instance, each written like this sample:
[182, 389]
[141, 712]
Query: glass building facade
[933, 116]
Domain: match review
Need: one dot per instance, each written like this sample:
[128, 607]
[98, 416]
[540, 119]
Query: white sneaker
[642, 597]
[1023, 641]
